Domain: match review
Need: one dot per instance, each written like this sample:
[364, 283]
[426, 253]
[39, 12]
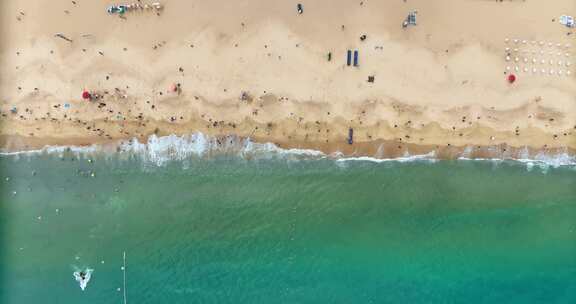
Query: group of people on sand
[123, 8]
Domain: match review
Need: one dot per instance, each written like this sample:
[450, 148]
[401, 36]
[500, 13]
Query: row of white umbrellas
[539, 71]
[534, 42]
[541, 61]
[535, 52]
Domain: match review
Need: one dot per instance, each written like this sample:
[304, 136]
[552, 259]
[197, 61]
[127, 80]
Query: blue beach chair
[349, 58]
[350, 136]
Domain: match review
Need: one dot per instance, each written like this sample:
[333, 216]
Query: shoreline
[178, 147]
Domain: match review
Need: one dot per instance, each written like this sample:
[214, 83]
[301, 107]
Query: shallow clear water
[231, 230]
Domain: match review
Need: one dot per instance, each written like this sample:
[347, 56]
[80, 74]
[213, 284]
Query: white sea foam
[541, 160]
[160, 150]
[431, 157]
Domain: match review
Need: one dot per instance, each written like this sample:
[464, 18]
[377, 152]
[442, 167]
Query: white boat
[83, 277]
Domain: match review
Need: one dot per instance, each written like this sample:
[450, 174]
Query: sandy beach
[260, 69]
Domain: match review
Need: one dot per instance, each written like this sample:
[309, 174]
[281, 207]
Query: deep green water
[228, 230]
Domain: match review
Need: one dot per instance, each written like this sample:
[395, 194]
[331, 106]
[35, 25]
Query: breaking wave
[161, 150]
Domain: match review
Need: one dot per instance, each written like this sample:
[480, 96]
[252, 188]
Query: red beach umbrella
[511, 78]
[86, 95]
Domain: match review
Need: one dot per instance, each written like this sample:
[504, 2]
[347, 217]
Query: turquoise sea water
[231, 230]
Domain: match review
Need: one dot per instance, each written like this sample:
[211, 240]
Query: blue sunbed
[349, 58]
